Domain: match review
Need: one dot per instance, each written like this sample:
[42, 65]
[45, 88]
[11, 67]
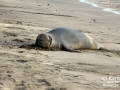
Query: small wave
[95, 5]
[112, 10]
[103, 8]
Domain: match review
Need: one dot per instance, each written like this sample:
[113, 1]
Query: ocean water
[112, 6]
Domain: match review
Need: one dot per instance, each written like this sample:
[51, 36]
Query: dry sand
[29, 69]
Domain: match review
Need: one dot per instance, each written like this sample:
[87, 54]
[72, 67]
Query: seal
[67, 39]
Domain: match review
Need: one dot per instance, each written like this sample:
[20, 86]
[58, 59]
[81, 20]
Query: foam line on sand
[103, 8]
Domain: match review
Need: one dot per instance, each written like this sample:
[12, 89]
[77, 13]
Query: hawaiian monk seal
[69, 39]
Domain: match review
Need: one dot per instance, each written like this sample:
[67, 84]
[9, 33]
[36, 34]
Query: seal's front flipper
[64, 47]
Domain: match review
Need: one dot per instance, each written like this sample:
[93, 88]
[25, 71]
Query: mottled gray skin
[69, 39]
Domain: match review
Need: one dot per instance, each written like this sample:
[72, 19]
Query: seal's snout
[43, 41]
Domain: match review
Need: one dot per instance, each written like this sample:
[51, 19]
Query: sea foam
[115, 11]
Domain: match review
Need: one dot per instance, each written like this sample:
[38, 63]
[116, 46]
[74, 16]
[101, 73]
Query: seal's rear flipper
[64, 47]
[105, 49]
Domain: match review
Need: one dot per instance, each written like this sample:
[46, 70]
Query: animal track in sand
[10, 6]
[22, 61]
[18, 40]
[9, 34]
[88, 64]
[44, 82]
[61, 15]
[117, 43]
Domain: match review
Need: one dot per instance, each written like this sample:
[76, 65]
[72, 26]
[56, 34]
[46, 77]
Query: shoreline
[102, 7]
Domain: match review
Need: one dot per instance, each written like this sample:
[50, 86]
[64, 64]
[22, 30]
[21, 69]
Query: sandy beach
[30, 69]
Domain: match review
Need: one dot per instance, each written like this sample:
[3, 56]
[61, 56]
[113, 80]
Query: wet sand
[33, 69]
[115, 4]
[112, 6]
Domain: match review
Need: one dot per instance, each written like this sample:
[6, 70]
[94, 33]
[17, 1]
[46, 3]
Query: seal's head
[43, 40]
